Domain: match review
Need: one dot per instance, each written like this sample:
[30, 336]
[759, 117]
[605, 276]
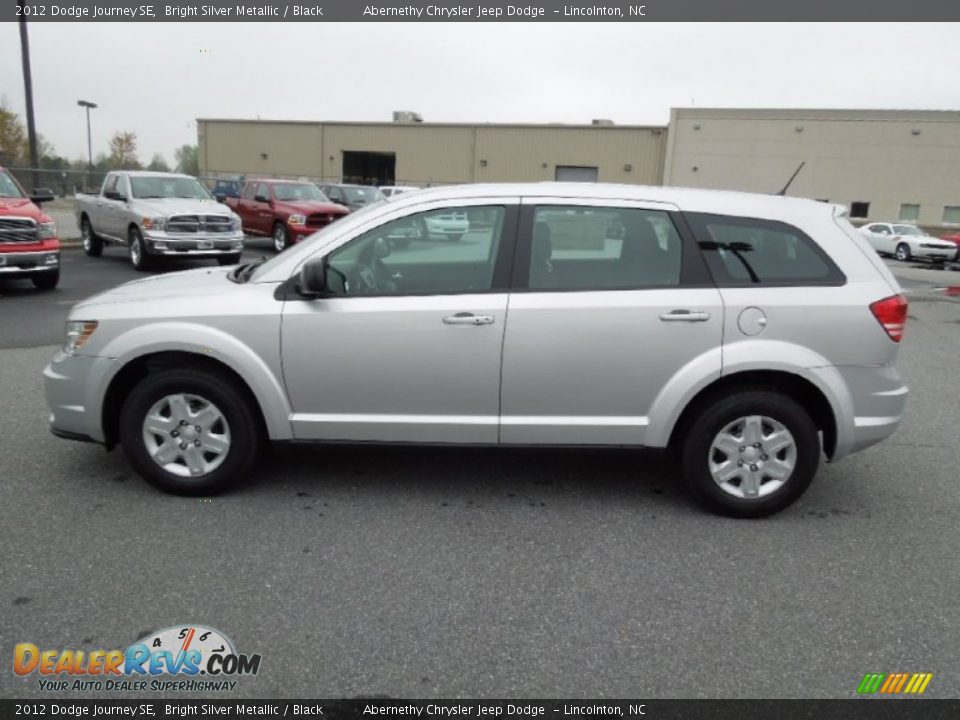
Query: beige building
[417, 153]
[882, 164]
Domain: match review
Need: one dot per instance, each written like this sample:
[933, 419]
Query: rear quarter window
[747, 251]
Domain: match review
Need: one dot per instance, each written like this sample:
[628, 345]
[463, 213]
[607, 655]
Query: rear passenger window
[745, 251]
[597, 248]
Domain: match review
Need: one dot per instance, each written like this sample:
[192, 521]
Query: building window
[951, 214]
[909, 212]
[859, 209]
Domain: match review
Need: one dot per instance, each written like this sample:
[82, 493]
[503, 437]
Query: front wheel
[903, 252]
[281, 237]
[751, 454]
[233, 259]
[46, 280]
[189, 431]
[138, 251]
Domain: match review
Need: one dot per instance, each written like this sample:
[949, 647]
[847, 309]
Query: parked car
[29, 246]
[763, 335]
[353, 197]
[223, 189]
[907, 242]
[390, 191]
[158, 215]
[286, 210]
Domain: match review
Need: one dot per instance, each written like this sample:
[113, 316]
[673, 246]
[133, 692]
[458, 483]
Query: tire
[92, 243]
[233, 259]
[138, 251]
[903, 252]
[721, 424]
[230, 437]
[46, 280]
[281, 237]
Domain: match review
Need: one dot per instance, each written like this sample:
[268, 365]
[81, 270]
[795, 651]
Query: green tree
[12, 137]
[158, 164]
[123, 151]
[187, 161]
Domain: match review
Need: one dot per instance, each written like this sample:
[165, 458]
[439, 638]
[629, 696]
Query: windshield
[298, 191]
[907, 230]
[8, 187]
[305, 247]
[361, 195]
[168, 187]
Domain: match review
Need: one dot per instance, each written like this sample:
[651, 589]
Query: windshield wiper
[243, 273]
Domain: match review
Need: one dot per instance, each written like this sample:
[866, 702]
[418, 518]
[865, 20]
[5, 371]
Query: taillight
[891, 312]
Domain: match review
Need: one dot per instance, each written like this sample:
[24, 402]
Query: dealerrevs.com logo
[183, 658]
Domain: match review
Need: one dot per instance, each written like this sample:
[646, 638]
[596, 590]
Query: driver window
[444, 251]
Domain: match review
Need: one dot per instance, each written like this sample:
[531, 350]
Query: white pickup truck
[157, 215]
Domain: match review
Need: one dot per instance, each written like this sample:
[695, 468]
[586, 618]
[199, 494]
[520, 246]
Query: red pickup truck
[29, 246]
[286, 210]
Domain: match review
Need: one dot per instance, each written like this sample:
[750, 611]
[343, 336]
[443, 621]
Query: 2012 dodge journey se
[749, 333]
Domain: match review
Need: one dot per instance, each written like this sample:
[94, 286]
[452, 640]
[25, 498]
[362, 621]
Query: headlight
[297, 219]
[47, 230]
[156, 223]
[78, 332]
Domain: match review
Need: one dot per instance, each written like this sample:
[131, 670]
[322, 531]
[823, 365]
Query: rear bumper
[28, 262]
[879, 398]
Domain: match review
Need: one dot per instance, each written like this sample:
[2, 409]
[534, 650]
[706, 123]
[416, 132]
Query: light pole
[88, 105]
[28, 91]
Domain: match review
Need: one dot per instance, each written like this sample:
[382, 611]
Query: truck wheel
[281, 237]
[233, 259]
[903, 252]
[46, 280]
[750, 454]
[189, 431]
[92, 244]
[138, 251]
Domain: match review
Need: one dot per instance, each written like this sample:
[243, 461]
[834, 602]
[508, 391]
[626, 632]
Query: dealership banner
[381, 709]
[482, 11]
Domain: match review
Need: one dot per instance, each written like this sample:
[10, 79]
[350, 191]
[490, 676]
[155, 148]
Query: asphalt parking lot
[400, 572]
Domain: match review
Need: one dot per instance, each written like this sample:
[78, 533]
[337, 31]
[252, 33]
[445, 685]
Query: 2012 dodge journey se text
[749, 333]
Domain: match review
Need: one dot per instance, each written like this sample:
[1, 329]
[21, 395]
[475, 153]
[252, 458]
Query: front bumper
[74, 386]
[199, 245]
[945, 255]
[29, 262]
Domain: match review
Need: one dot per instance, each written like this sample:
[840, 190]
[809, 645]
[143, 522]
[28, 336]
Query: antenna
[790, 181]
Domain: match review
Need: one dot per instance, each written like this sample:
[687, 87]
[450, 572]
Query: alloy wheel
[752, 457]
[186, 435]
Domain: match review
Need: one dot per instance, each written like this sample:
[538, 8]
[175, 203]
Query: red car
[29, 246]
[286, 210]
[953, 237]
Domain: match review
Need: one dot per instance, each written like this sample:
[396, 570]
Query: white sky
[156, 79]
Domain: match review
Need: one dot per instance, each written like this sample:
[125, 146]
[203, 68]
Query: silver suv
[748, 333]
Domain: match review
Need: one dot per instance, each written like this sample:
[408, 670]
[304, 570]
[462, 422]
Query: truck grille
[18, 230]
[319, 220]
[192, 224]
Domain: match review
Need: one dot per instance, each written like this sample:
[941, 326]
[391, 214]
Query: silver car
[749, 334]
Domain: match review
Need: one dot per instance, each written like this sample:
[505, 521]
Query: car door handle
[465, 318]
[685, 316]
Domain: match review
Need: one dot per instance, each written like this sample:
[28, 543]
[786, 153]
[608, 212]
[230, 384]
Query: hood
[192, 284]
[308, 207]
[180, 206]
[21, 207]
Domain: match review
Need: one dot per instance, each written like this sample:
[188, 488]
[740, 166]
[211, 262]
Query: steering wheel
[370, 276]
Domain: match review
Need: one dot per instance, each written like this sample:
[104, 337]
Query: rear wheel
[46, 280]
[189, 431]
[233, 259]
[138, 251]
[903, 252]
[751, 454]
[92, 243]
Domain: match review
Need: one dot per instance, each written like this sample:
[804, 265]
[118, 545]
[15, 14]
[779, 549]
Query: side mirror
[261, 198]
[313, 278]
[221, 198]
[41, 195]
